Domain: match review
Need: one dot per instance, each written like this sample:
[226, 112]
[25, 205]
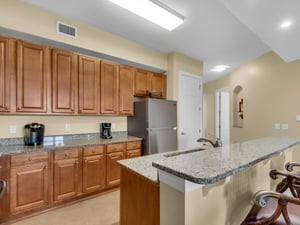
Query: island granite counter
[195, 186]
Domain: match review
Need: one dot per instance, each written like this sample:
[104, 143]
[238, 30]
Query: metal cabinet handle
[3, 188]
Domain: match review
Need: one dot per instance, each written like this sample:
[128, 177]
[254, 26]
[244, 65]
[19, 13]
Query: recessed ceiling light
[219, 68]
[152, 11]
[286, 24]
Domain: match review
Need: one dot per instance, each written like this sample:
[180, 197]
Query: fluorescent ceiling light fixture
[286, 24]
[220, 68]
[153, 11]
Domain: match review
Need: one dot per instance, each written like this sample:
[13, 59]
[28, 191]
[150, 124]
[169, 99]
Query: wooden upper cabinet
[109, 88]
[141, 82]
[64, 81]
[126, 74]
[89, 83]
[33, 72]
[158, 84]
[7, 68]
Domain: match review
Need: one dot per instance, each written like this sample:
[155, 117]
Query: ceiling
[228, 32]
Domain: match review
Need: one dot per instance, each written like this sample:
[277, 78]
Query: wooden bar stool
[281, 207]
[273, 208]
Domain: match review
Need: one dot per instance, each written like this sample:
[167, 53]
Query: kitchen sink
[184, 152]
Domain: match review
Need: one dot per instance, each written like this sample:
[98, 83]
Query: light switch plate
[284, 126]
[277, 126]
[298, 118]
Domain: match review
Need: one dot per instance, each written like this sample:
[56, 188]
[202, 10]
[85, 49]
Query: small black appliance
[34, 134]
[105, 130]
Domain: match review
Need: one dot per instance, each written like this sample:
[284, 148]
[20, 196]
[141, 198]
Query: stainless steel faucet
[218, 142]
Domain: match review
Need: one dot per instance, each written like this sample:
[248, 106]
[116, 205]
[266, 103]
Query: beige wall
[179, 62]
[55, 125]
[271, 95]
[18, 16]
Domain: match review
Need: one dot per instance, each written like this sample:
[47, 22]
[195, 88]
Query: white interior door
[189, 110]
[223, 115]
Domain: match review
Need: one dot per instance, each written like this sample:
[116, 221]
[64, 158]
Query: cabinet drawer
[65, 154]
[133, 153]
[134, 145]
[95, 150]
[21, 159]
[119, 147]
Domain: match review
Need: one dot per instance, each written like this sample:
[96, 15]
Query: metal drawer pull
[3, 188]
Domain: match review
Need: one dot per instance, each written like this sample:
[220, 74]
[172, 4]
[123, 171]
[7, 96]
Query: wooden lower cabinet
[113, 168]
[66, 174]
[93, 169]
[41, 180]
[5, 175]
[29, 187]
[114, 153]
[133, 149]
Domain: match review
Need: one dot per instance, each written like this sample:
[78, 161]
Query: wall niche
[238, 107]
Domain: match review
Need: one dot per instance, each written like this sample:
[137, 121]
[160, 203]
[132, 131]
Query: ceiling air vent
[66, 29]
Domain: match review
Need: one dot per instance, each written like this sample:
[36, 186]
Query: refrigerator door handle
[160, 129]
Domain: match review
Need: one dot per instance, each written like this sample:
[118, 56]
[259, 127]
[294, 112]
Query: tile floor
[101, 210]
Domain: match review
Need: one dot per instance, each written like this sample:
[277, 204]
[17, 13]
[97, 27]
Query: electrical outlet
[113, 125]
[68, 127]
[12, 129]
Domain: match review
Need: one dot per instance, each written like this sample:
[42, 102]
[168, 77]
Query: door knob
[183, 133]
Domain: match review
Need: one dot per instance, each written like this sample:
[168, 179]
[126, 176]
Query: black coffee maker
[34, 134]
[105, 130]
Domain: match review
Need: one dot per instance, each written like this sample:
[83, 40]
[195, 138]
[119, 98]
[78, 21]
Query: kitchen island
[212, 186]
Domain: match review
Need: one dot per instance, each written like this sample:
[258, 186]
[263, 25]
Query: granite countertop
[143, 165]
[213, 164]
[65, 142]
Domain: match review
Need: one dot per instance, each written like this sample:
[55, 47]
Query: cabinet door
[33, 62]
[113, 170]
[109, 88]
[64, 81]
[65, 179]
[141, 82]
[89, 83]
[126, 74]
[28, 187]
[93, 173]
[158, 84]
[7, 59]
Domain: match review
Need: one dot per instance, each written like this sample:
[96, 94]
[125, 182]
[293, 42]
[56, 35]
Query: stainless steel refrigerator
[154, 120]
